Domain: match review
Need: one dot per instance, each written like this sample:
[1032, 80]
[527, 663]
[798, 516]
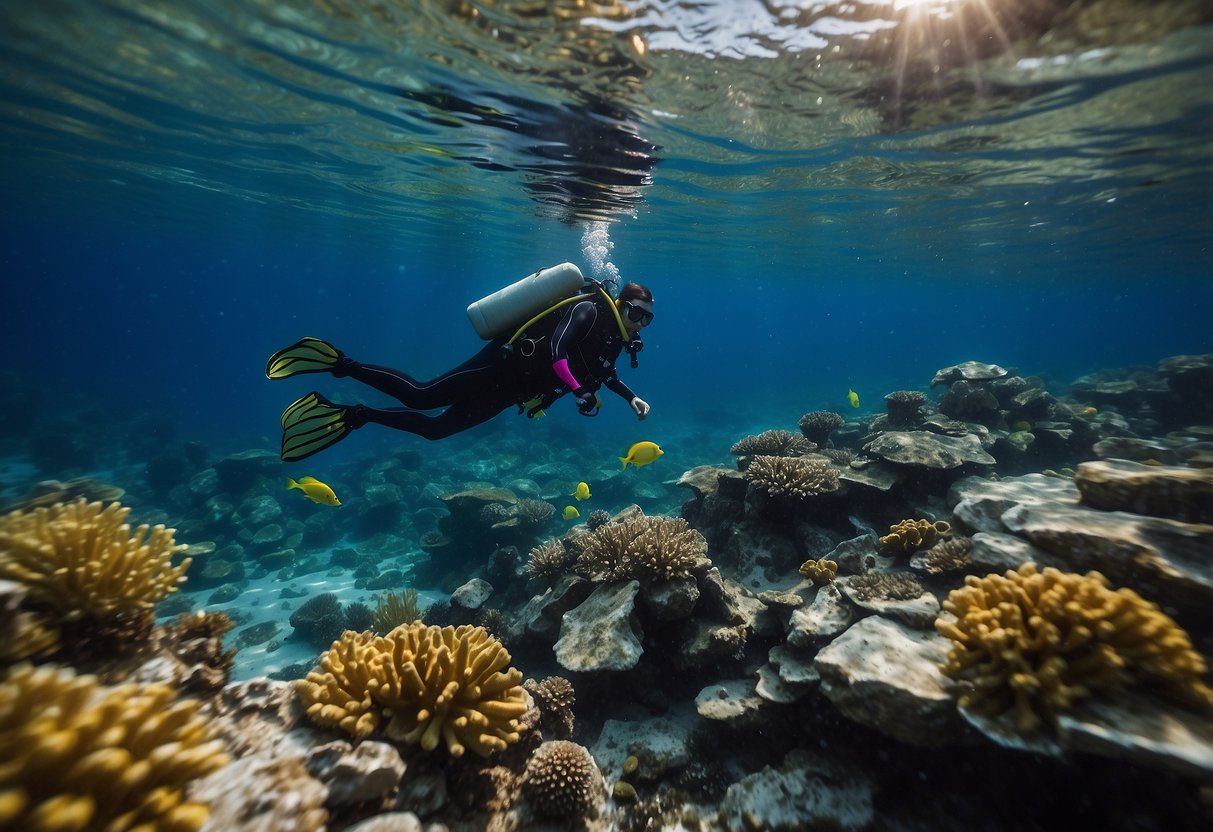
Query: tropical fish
[570, 513]
[642, 453]
[314, 490]
[853, 398]
[581, 492]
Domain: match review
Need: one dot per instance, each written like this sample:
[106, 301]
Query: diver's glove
[587, 401]
[640, 406]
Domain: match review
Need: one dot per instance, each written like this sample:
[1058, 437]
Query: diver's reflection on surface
[584, 161]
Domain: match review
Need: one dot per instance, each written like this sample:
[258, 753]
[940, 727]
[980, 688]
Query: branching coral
[534, 512]
[555, 698]
[546, 560]
[912, 535]
[395, 608]
[1035, 643]
[562, 780]
[820, 572]
[946, 555]
[818, 425]
[319, 620]
[80, 562]
[772, 443]
[77, 755]
[645, 548]
[902, 406]
[431, 684]
[597, 518]
[801, 477]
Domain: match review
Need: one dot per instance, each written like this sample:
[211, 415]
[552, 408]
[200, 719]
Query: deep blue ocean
[822, 197]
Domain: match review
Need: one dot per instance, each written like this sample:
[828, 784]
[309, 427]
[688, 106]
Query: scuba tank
[500, 313]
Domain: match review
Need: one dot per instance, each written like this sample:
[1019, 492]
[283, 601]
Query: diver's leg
[474, 378]
[453, 420]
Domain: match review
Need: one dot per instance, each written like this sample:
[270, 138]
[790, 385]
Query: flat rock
[885, 675]
[918, 613]
[806, 792]
[998, 552]
[969, 371]
[979, 504]
[705, 479]
[601, 633]
[824, 617]
[541, 616]
[734, 701]
[795, 667]
[660, 742]
[930, 450]
[1174, 492]
[472, 595]
[876, 475]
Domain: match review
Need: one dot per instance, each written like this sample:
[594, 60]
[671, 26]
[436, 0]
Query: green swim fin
[310, 425]
[307, 355]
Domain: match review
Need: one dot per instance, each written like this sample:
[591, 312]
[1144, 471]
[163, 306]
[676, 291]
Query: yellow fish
[314, 490]
[570, 513]
[581, 492]
[853, 398]
[642, 453]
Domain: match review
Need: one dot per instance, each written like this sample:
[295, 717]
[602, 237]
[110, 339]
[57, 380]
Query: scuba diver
[571, 346]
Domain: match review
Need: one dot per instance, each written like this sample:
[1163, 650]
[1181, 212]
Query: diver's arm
[571, 329]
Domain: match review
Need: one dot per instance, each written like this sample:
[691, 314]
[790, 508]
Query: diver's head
[635, 304]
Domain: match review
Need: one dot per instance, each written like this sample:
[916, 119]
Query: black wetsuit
[499, 376]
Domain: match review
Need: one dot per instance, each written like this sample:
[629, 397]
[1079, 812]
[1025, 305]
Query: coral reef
[395, 608]
[644, 548]
[555, 698]
[902, 406]
[431, 684]
[78, 755]
[1036, 643]
[197, 640]
[770, 443]
[319, 620]
[80, 563]
[912, 535]
[562, 780]
[893, 586]
[597, 518]
[820, 572]
[534, 513]
[359, 616]
[799, 477]
[818, 425]
[948, 555]
[547, 560]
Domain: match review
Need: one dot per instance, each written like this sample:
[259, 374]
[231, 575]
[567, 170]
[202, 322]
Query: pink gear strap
[561, 368]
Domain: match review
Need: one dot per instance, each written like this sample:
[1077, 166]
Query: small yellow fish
[581, 492]
[570, 513]
[853, 398]
[642, 453]
[314, 490]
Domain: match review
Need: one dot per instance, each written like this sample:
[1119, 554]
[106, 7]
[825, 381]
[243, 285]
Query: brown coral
[1035, 643]
[820, 572]
[818, 425]
[78, 755]
[395, 608]
[902, 406]
[555, 698]
[644, 548]
[546, 560]
[800, 477]
[562, 780]
[948, 555]
[888, 586]
[912, 535]
[771, 443]
[431, 684]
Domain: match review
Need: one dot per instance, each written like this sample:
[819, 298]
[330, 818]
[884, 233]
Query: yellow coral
[82, 562]
[395, 608]
[430, 683]
[819, 571]
[76, 755]
[645, 548]
[1036, 643]
[912, 535]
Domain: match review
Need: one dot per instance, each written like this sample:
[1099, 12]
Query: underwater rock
[822, 619]
[258, 511]
[257, 634]
[887, 676]
[969, 371]
[542, 615]
[729, 601]
[930, 450]
[806, 792]
[1184, 494]
[659, 744]
[979, 504]
[796, 668]
[601, 633]
[998, 552]
[239, 472]
[705, 479]
[391, 822]
[873, 474]
[204, 484]
[356, 774]
[771, 687]
[472, 595]
[263, 794]
[671, 600]
[733, 701]
[710, 642]
[855, 555]
[918, 613]
[970, 401]
[1166, 451]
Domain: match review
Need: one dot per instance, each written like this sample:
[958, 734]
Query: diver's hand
[587, 402]
[640, 406]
